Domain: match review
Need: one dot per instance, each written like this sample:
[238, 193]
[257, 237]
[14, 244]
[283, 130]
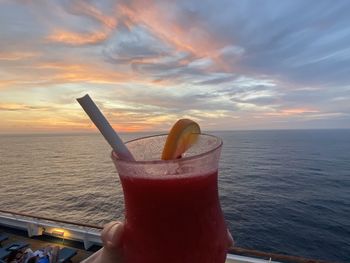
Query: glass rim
[114, 156]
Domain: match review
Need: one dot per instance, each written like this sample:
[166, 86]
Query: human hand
[111, 239]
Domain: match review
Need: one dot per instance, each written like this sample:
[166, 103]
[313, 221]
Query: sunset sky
[226, 64]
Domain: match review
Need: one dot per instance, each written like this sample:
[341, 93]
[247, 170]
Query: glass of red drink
[172, 208]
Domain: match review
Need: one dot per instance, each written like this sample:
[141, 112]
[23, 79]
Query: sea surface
[281, 191]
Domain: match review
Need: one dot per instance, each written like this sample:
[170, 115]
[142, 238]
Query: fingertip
[111, 234]
[107, 227]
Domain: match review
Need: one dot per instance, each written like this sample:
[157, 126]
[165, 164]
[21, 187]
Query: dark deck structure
[36, 243]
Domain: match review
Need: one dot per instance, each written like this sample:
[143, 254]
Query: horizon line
[163, 131]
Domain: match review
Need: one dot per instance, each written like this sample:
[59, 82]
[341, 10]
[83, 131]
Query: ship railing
[35, 225]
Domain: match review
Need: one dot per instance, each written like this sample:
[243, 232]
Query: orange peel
[181, 137]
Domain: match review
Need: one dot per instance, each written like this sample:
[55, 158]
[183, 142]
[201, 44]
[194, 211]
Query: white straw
[105, 128]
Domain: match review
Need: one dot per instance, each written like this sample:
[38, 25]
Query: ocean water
[281, 191]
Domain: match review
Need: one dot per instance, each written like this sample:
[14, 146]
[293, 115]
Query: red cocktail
[173, 212]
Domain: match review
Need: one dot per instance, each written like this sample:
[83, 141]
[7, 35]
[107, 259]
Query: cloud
[72, 38]
[150, 62]
[216, 79]
[17, 107]
[308, 50]
[136, 45]
[83, 8]
[293, 111]
[102, 25]
[14, 56]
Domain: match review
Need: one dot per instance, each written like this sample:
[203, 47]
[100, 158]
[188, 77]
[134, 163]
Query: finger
[111, 235]
[111, 238]
[107, 227]
[111, 251]
[230, 241]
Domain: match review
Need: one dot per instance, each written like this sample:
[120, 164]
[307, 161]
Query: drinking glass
[172, 208]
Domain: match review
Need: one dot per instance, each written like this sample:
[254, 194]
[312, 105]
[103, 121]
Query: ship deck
[40, 242]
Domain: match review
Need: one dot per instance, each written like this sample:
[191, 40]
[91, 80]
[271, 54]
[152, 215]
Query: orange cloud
[71, 38]
[12, 106]
[14, 56]
[66, 72]
[193, 39]
[137, 127]
[42, 124]
[44, 74]
[20, 117]
[83, 7]
[4, 84]
[292, 111]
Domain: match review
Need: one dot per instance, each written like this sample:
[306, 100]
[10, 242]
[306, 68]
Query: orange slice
[181, 137]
